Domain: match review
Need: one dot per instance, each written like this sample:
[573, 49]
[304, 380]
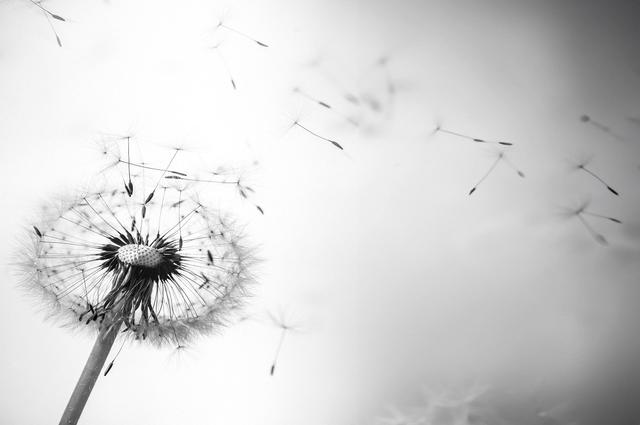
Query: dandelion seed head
[159, 261]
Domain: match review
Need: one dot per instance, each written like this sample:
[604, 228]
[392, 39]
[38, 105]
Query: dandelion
[151, 263]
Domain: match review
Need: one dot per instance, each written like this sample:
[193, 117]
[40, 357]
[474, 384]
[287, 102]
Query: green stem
[90, 373]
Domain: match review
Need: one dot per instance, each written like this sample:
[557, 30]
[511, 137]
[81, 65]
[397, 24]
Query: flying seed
[333, 142]
[474, 139]
[603, 128]
[221, 24]
[582, 166]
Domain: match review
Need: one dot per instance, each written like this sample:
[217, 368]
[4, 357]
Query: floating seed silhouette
[501, 157]
[582, 166]
[588, 120]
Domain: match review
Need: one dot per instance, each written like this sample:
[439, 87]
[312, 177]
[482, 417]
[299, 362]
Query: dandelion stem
[90, 373]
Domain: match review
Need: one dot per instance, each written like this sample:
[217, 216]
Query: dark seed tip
[149, 197]
[612, 190]
[472, 190]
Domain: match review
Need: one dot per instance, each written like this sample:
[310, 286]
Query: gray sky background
[395, 273]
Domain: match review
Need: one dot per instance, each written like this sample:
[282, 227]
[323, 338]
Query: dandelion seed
[597, 236]
[242, 190]
[333, 142]
[53, 29]
[582, 211]
[615, 220]
[582, 166]
[311, 98]
[48, 15]
[285, 327]
[474, 139]
[147, 167]
[130, 186]
[588, 120]
[113, 361]
[99, 269]
[325, 105]
[501, 157]
[512, 166]
[226, 66]
[46, 11]
[222, 25]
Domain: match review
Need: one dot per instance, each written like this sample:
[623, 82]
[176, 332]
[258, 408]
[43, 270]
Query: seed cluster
[140, 255]
[171, 267]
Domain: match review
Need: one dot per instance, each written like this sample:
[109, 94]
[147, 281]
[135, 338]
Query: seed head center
[140, 255]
